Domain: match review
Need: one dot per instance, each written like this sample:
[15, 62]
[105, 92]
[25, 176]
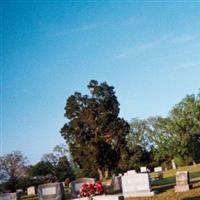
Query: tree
[55, 163]
[178, 135]
[95, 134]
[139, 144]
[13, 168]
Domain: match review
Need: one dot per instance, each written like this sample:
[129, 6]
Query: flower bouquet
[89, 190]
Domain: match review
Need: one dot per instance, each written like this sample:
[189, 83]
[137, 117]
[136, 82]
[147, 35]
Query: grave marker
[76, 185]
[182, 181]
[53, 191]
[31, 191]
[136, 185]
[10, 196]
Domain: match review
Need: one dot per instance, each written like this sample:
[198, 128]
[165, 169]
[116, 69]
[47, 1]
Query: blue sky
[148, 51]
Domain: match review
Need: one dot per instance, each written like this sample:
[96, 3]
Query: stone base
[139, 194]
[182, 188]
[104, 197]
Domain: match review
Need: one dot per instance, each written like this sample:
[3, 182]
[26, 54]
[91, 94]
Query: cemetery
[105, 160]
[183, 184]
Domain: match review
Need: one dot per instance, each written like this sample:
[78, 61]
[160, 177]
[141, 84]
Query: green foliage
[56, 164]
[178, 135]
[94, 132]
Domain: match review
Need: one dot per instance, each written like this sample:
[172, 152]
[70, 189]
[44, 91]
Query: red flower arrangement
[89, 189]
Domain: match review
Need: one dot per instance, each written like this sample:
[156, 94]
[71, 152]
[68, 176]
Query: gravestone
[31, 191]
[158, 169]
[76, 185]
[182, 181]
[173, 164]
[143, 169]
[53, 191]
[10, 196]
[117, 183]
[136, 185]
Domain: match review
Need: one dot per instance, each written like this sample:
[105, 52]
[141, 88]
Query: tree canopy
[95, 134]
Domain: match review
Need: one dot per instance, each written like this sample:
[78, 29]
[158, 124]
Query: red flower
[89, 189]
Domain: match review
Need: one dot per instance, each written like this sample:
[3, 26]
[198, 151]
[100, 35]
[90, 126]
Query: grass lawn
[165, 188]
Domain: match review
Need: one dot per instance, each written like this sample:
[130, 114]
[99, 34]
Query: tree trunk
[100, 172]
[106, 173]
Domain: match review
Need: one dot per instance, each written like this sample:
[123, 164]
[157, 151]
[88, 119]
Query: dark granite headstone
[182, 181]
[51, 191]
[117, 183]
[76, 185]
[10, 196]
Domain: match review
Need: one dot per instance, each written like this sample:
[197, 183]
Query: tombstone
[76, 185]
[182, 181]
[31, 191]
[53, 191]
[136, 185]
[10, 196]
[173, 164]
[19, 191]
[158, 169]
[117, 183]
[143, 169]
[130, 172]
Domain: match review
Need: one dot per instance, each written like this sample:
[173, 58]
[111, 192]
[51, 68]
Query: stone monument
[117, 183]
[31, 191]
[173, 164]
[136, 185]
[143, 169]
[76, 185]
[182, 181]
[10, 196]
[53, 191]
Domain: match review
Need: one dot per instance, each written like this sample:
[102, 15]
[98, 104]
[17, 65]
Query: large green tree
[95, 134]
[178, 135]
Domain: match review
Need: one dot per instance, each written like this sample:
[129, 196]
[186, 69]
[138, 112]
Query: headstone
[143, 169]
[173, 164]
[182, 181]
[117, 183]
[76, 185]
[130, 172]
[158, 169]
[19, 191]
[53, 191]
[31, 191]
[136, 185]
[10, 196]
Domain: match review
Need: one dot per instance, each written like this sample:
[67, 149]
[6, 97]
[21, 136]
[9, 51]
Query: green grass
[165, 188]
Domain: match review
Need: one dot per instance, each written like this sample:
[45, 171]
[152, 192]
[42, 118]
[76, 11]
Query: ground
[165, 188]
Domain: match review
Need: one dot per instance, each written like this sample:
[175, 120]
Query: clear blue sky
[150, 53]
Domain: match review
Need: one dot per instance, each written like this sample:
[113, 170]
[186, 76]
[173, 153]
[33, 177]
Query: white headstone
[130, 172]
[158, 169]
[136, 185]
[31, 191]
[182, 181]
[173, 164]
[143, 169]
